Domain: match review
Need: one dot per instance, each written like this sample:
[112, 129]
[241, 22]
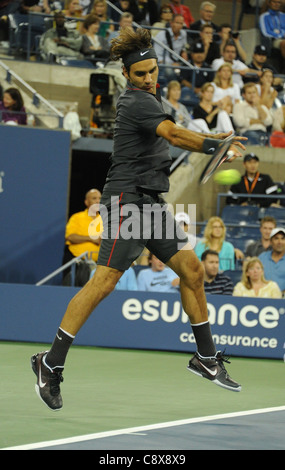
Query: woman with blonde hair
[72, 9]
[100, 9]
[225, 89]
[180, 113]
[253, 283]
[214, 239]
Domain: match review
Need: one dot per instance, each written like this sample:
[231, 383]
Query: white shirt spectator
[233, 92]
[244, 112]
[236, 66]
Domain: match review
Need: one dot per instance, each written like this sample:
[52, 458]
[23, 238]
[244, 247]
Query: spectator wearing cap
[252, 118]
[259, 63]
[215, 282]
[183, 220]
[252, 182]
[195, 79]
[274, 260]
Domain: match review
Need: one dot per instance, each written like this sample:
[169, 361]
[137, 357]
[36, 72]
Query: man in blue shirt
[272, 25]
[274, 261]
[175, 38]
[158, 278]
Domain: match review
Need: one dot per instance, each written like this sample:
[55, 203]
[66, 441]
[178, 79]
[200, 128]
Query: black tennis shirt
[140, 159]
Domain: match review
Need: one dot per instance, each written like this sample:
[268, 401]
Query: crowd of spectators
[261, 271]
[83, 29]
[229, 91]
[246, 89]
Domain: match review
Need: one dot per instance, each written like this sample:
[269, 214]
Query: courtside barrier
[34, 184]
[249, 327]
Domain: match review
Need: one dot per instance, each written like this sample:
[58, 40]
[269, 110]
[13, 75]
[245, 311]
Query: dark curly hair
[130, 41]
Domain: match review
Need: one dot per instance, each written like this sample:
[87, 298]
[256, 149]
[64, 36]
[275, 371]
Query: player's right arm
[193, 141]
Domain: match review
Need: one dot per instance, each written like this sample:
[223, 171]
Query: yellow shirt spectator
[83, 232]
[269, 291]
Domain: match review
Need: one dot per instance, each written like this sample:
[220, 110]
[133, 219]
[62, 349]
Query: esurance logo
[249, 316]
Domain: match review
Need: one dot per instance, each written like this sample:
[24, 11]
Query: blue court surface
[251, 430]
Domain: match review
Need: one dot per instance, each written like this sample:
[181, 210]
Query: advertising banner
[34, 179]
[248, 327]
[243, 326]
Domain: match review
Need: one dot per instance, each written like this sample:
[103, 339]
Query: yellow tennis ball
[227, 177]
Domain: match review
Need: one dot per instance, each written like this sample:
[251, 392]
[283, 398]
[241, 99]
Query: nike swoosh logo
[60, 339]
[212, 372]
[41, 383]
[212, 149]
[143, 53]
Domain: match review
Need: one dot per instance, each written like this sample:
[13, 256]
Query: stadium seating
[234, 275]
[242, 242]
[238, 214]
[277, 212]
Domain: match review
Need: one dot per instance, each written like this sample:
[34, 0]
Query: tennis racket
[219, 156]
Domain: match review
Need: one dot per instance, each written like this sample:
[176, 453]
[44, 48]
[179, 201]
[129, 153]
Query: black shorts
[133, 221]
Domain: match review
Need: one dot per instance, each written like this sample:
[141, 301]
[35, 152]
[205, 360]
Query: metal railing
[245, 195]
[185, 63]
[37, 99]
[71, 264]
[61, 269]
[173, 53]
[87, 255]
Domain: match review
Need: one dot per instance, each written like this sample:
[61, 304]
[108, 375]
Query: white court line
[150, 427]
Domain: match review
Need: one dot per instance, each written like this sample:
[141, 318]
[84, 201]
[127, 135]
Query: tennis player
[138, 174]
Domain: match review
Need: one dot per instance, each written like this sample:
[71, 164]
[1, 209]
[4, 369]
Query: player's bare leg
[206, 362]
[82, 305]
[48, 365]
